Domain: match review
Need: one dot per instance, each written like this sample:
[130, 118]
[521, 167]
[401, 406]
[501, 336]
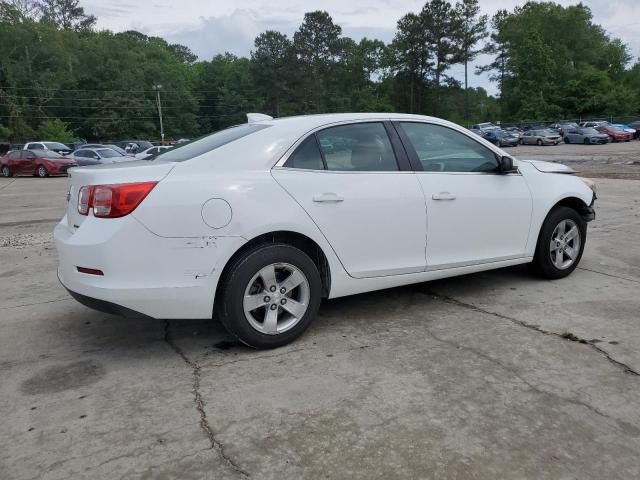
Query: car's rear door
[355, 182]
[474, 213]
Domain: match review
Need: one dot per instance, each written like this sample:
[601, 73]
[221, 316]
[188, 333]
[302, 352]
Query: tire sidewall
[230, 307]
[5, 171]
[542, 258]
[40, 169]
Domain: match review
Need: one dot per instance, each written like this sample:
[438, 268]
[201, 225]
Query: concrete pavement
[494, 375]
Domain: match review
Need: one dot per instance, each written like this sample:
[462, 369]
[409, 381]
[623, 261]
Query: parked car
[594, 124]
[587, 136]
[540, 137]
[636, 125]
[626, 128]
[134, 146]
[193, 231]
[35, 162]
[98, 156]
[57, 147]
[562, 127]
[121, 151]
[515, 131]
[500, 137]
[616, 134]
[152, 152]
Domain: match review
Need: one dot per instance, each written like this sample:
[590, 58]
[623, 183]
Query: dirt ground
[614, 160]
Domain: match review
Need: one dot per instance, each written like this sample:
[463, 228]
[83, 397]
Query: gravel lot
[493, 375]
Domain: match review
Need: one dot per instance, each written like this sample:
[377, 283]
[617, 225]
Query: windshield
[548, 132]
[117, 149]
[589, 131]
[56, 146]
[190, 150]
[47, 154]
[108, 153]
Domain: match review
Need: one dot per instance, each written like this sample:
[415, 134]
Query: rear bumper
[144, 274]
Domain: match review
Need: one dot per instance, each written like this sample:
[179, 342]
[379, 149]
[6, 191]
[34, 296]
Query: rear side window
[14, 155]
[442, 149]
[361, 147]
[34, 146]
[198, 147]
[306, 156]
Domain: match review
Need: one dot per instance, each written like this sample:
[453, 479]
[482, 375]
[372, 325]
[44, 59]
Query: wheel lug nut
[272, 288]
[283, 290]
[274, 306]
[266, 299]
[283, 301]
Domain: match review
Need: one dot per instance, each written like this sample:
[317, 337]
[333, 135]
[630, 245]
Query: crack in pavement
[608, 274]
[536, 328]
[531, 386]
[200, 403]
[36, 303]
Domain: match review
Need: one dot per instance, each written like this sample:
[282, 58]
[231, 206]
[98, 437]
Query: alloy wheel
[42, 172]
[6, 172]
[565, 244]
[276, 298]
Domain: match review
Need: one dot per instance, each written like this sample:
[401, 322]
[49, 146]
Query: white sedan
[255, 224]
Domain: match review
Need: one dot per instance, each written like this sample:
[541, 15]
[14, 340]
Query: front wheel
[42, 171]
[6, 171]
[539, 142]
[586, 141]
[560, 243]
[269, 296]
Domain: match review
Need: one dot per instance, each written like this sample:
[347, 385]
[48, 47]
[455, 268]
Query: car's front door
[28, 162]
[474, 213]
[362, 195]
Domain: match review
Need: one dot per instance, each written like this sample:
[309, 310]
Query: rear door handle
[443, 196]
[328, 198]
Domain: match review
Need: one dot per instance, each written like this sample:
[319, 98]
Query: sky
[209, 27]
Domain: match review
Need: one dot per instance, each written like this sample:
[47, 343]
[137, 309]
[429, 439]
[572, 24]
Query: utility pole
[157, 88]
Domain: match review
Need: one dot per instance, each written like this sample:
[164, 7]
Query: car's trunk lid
[125, 172]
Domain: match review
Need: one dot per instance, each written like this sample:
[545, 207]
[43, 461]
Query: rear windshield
[108, 153]
[56, 146]
[193, 149]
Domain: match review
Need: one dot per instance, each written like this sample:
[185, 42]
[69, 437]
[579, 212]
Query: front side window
[34, 146]
[442, 149]
[14, 155]
[360, 147]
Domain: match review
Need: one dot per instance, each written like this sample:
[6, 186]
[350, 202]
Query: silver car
[98, 156]
[540, 137]
[588, 136]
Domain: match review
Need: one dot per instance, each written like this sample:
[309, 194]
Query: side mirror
[505, 165]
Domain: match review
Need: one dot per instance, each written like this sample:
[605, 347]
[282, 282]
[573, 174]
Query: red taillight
[112, 201]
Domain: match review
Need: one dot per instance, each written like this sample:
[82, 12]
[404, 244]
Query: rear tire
[539, 142]
[586, 141]
[258, 302]
[41, 171]
[566, 231]
[566, 140]
[6, 171]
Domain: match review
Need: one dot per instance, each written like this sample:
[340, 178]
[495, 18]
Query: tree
[439, 23]
[19, 10]
[66, 14]
[55, 130]
[498, 47]
[471, 28]
[272, 62]
[317, 48]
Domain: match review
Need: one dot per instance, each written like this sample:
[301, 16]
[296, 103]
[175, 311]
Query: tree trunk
[466, 93]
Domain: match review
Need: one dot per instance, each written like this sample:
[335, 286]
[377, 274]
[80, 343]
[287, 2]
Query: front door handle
[443, 196]
[329, 197]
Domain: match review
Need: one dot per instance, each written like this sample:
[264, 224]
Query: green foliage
[55, 131]
[5, 132]
[549, 62]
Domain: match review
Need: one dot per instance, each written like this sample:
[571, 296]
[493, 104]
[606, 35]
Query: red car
[35, 162]
[616, 134]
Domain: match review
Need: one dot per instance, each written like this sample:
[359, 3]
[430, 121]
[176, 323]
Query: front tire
[270, 295]
[539, 142]
[42, 171]
[560, 243]
[6, 171]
